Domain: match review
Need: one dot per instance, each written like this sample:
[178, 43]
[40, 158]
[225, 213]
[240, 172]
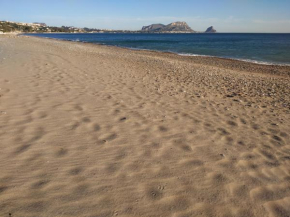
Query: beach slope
[90, 130]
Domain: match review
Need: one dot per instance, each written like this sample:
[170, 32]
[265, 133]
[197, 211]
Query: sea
[257, 48]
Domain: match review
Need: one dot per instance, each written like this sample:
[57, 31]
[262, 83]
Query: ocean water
[261, 48]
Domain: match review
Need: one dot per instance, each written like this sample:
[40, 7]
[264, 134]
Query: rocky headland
[176, 27]
[210, 30]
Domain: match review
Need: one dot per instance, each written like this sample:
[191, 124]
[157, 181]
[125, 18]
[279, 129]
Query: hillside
[153, 27]
[7, 27]
[176, 27]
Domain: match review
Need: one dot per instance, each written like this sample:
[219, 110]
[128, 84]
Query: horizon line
[200, 32]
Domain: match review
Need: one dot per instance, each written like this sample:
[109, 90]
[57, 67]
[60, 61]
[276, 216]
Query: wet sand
[91, 130]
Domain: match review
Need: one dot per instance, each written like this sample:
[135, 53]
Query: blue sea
[260, 48]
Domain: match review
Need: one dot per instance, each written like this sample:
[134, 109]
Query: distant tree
[27, 29]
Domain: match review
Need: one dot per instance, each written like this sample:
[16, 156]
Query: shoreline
[172, 52]
[274, 69]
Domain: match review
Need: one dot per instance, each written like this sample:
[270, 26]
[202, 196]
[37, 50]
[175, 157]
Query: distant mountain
[176, 27]
[210, 30]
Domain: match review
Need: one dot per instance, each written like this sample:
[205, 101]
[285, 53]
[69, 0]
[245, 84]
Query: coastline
[271, 63]
[271, 68]
[97, 130]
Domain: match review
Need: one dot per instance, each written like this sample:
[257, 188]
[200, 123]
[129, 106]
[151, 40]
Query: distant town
[20, 27]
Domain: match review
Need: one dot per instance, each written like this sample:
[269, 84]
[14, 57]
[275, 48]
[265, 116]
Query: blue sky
[224, 15]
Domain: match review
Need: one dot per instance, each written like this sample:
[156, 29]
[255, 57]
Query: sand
[90, 130]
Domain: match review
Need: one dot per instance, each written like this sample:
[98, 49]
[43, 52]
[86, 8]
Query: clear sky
[224, 15]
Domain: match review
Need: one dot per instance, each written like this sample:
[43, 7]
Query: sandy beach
[97, 131]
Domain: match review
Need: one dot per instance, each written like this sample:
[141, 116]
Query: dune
[91, 130]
